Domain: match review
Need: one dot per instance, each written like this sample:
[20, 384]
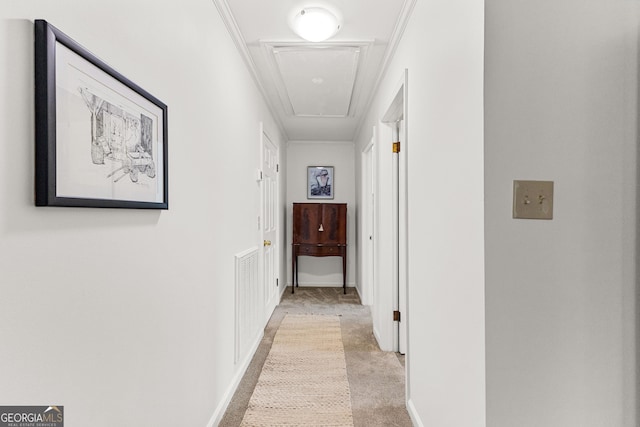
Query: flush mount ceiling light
[315, 24]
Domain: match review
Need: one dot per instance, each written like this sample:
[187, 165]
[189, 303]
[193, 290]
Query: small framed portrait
[320, 183]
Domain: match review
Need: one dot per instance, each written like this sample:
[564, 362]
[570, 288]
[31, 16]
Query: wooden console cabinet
[319, 229]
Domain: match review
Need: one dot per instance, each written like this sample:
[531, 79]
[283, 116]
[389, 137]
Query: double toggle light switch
[533, 199]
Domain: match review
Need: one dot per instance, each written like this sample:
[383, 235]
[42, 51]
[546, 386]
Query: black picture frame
[100, 140]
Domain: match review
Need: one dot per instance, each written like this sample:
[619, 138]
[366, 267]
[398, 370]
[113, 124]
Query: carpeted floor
[376, 378]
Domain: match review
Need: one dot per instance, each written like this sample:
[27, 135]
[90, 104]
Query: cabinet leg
[344, 273]
[293, 273]
[297, 281]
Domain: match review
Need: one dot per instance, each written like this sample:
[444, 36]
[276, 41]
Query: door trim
[396, 118]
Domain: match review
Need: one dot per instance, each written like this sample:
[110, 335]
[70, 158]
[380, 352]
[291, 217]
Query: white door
[270, 223]
[398, 338]
[368, 221]
[402, 239]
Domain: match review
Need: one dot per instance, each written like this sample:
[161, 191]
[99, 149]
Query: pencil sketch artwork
[121, 138]
[110, 139]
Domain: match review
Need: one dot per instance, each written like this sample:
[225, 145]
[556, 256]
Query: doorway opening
[396, 118]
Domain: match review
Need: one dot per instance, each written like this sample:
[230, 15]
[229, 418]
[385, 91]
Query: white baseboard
[324, 284]
[226, 399]
[358, 292]
[376, 335]
[282, 291]
[415, 418]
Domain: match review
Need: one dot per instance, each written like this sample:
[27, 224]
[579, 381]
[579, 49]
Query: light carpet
[304, 378]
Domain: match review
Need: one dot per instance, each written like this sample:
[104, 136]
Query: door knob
[267, 243]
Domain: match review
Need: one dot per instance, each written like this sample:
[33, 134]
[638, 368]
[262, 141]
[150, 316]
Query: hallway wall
[326, 271]
[442, 48]
[561, 104]
[127, 314]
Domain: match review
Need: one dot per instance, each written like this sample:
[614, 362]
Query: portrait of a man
[320, 182]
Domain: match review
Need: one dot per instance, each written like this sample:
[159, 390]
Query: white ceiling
[316, 91]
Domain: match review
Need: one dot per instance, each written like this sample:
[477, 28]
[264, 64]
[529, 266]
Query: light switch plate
[533, 199]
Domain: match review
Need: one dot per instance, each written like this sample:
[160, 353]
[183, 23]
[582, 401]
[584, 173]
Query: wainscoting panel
[249, 305]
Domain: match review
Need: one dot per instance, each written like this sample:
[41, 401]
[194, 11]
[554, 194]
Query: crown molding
[234, 31]
[394, 41]
[309, 141]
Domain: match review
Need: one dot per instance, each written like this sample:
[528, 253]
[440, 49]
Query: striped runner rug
[304, 378]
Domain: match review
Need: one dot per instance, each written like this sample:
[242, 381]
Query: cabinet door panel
[334, 223]
[306, 220]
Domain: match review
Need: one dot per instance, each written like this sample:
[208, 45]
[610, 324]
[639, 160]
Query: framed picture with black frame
[320, 184]
[101, 140]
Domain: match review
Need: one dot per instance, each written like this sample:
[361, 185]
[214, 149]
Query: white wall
[562, 105]
[125, 314]
[443, 50]
[322, 271]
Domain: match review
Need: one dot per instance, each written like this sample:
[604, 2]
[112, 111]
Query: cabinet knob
[267, 243]
[320, 229]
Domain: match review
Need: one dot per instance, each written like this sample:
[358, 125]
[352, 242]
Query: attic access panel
[319, 81]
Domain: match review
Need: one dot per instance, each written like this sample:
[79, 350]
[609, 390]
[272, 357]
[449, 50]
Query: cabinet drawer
[319, 250]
